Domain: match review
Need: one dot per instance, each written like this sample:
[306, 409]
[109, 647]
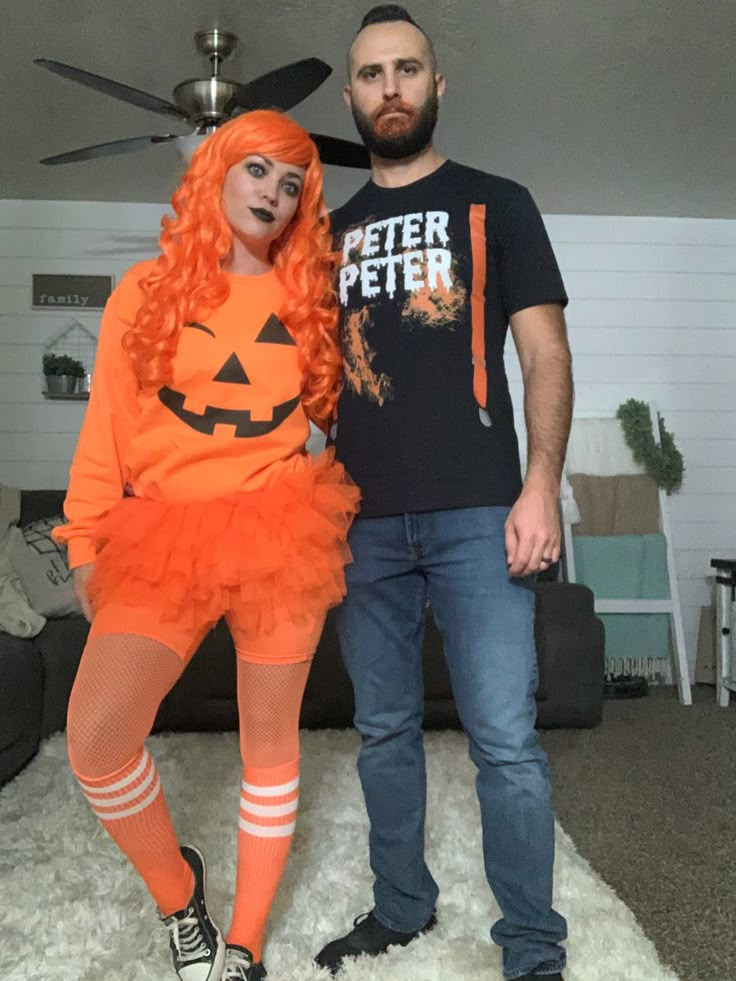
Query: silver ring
[546, 560]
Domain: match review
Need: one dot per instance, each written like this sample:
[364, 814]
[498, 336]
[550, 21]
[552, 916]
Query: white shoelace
[188, 940]
[237, 966]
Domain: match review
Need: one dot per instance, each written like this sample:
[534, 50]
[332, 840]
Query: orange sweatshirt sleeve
[97, 473]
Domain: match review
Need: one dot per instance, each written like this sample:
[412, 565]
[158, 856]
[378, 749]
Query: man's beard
[397, 139]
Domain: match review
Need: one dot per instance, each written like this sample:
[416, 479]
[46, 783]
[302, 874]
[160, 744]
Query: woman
[192, 497]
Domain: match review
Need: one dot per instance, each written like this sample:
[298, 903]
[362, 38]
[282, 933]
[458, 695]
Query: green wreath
[662, 462]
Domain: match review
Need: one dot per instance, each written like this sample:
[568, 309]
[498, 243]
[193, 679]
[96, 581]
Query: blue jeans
[456, 559]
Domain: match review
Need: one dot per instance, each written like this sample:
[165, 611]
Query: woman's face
[260, 197]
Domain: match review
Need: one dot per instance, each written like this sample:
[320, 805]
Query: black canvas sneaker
[239, 965]
[197, 947]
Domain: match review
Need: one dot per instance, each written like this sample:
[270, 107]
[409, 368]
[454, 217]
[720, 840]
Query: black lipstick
[263, 215]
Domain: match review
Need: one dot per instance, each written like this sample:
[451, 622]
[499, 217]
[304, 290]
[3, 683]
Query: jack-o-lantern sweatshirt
[230, 419]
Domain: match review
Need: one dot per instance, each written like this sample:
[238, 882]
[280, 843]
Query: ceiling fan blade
[115, 89]
[342, 153]
[107, 149]
[283, 88]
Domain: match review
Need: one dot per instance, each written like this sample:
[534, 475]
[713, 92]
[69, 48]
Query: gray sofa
[36, 675]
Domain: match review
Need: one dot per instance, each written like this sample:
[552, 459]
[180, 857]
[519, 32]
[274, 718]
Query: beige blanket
[621, 505]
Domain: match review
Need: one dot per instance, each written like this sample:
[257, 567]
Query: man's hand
[80, 575]
[532, 532]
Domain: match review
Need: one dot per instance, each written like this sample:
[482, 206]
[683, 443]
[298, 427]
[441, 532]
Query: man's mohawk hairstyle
[392, 13]
[387, 12]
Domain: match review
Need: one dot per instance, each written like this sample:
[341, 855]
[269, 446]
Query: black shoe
[541, 977]
[197, 947]
[369, 937]
[239, 965]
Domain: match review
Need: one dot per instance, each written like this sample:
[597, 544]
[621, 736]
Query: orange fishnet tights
[121, 681]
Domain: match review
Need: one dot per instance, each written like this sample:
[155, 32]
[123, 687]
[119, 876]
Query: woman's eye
[292, 189]
[256, 170]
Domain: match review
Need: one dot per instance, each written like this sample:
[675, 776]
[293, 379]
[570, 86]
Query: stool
[725, 598]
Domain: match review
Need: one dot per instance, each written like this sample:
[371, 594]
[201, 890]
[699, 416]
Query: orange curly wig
[187, 280]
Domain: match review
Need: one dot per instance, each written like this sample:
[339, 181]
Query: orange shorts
[287, 643]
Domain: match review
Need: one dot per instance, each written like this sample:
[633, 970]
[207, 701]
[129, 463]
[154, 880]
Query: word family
[63, 300]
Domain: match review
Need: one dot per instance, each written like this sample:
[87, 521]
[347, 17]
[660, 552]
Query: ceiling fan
[206, 103]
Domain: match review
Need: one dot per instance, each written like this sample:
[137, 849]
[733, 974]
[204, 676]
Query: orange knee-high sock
[268, 806]
[131, 806]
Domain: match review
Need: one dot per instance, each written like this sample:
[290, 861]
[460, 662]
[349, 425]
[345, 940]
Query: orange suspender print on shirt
[478, 301]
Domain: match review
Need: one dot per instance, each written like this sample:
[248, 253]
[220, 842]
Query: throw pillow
[17, 617]
[43, 569]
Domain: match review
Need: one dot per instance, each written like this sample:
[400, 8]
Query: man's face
[394, 91]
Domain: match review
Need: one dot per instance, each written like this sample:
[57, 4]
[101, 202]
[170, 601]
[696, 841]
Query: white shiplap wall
[37, 437]
[652, 316]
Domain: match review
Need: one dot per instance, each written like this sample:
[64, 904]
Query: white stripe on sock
[123, 798]
[278, 791]
[130, 811]
[121, 783]
[267, 830]
[269, 810]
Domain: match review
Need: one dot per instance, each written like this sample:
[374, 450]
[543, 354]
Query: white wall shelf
[67, 396]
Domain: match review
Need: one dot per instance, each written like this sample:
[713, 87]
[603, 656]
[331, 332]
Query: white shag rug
[72, 909]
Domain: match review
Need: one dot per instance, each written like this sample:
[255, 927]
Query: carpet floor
[649, 798]
[73, 910]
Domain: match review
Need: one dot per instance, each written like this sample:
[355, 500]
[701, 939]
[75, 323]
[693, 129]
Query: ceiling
[599, 106]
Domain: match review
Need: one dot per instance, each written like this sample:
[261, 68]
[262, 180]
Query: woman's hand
[80, 575]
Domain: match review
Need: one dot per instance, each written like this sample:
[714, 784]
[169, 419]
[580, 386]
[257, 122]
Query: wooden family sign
[54, 290]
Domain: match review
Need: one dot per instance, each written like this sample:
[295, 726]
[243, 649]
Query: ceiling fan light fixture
[186, 145]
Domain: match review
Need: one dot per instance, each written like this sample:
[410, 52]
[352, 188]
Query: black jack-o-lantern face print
[234, 371]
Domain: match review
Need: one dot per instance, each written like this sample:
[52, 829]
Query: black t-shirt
[425, 269]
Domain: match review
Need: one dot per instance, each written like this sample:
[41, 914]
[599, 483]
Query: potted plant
[62, 373]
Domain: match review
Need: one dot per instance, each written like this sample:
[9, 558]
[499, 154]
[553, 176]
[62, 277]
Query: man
[437, 258]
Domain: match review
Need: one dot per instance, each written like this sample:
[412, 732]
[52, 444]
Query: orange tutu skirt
[274, 550]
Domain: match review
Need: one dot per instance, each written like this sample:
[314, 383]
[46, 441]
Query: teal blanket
[628, 567]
